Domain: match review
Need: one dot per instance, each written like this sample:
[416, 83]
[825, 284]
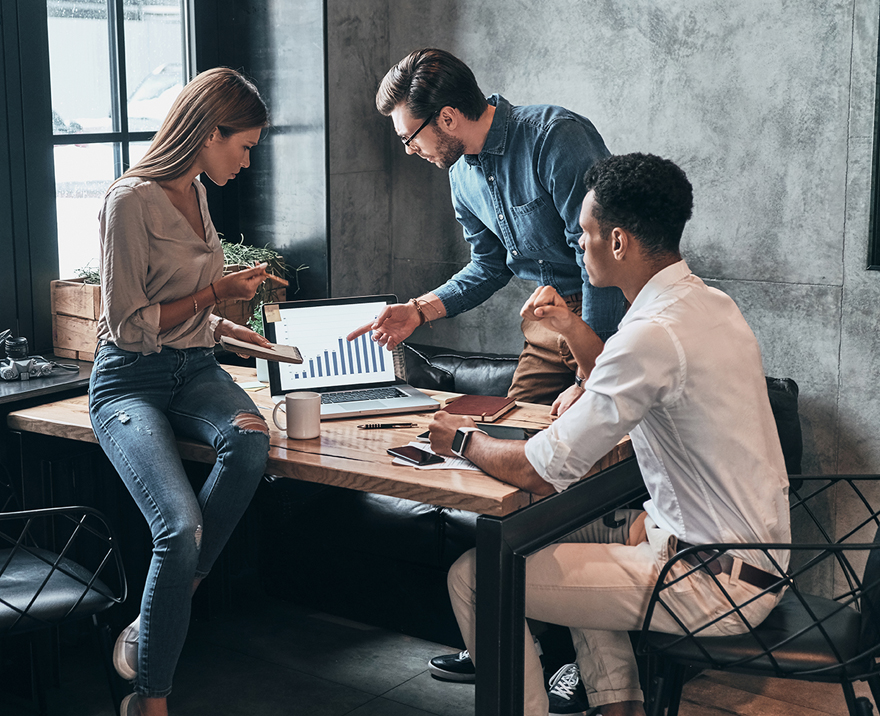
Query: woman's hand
[241, 285]
[242, 333]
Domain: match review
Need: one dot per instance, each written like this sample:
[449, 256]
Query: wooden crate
[76, 307]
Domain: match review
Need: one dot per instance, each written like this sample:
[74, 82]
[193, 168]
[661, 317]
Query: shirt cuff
[213, 322]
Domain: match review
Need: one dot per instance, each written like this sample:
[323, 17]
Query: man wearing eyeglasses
[515, 174]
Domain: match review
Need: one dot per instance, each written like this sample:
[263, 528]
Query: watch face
[458, 441]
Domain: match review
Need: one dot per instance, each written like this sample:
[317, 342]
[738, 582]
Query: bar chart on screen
[329, 360]
[357, 357]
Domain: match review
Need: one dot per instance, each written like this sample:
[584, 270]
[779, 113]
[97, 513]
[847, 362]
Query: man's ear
[449, 118]
[620, 243]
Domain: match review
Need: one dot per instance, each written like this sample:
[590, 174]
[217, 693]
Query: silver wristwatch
[461, 439]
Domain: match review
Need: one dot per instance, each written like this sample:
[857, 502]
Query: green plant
[234, 255]
[89, 274]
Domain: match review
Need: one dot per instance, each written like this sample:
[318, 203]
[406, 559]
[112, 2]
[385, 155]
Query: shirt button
[541, 261]
[500, 217]
[491, 178]
[515, 254]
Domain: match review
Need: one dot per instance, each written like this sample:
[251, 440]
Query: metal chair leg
[850, 695]
[874, 684]
[676, 685]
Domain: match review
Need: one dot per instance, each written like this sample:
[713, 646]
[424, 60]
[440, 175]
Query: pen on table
[378, 426]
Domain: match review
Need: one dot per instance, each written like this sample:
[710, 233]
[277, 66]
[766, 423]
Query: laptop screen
[318, 328]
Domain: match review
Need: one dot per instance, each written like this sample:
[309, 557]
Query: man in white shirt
[683, 377]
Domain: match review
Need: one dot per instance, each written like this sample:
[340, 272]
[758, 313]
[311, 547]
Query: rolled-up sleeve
[640, 368]
[125, 258]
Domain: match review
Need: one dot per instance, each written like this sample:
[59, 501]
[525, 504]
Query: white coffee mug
[303, 411]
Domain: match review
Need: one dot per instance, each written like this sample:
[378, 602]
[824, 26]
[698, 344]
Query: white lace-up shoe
[125, 651]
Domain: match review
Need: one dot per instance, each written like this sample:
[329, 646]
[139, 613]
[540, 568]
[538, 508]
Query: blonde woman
[155, 378]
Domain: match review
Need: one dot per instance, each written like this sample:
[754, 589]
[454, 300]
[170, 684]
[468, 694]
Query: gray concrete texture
[768, 106]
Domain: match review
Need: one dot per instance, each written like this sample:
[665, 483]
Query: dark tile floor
[281, 659]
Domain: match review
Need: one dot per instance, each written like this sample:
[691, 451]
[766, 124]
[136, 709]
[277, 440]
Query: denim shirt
[519, 202]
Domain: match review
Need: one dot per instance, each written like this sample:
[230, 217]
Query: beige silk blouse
[150, 255]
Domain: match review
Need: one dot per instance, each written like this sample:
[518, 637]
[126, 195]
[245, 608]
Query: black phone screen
[502, 432]
[415, 455]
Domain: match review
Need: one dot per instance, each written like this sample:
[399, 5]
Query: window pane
[154, 63]
[82, 175]
[79, 49]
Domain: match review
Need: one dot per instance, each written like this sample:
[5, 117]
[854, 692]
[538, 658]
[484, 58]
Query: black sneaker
[567, 693]
[453, 667]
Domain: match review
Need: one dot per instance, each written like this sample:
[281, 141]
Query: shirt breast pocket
[537, 224]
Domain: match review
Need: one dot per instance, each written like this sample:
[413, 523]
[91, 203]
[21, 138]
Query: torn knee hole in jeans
[250, 423]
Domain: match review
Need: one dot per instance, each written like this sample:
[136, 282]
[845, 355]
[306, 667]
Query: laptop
[356, 378]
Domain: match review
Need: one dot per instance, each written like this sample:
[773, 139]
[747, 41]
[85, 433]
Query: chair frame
[35, 534]
[854, 667]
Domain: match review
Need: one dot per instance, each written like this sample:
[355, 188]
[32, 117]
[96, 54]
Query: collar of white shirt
[656, 285]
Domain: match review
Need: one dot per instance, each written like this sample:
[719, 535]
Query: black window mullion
[102, 137]
[118, 84]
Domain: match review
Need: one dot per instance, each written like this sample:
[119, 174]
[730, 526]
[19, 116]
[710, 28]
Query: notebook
[356, 378]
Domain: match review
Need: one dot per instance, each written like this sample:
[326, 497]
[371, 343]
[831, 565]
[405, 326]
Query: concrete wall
[768, 106]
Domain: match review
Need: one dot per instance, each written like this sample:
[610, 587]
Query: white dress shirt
[683, 377]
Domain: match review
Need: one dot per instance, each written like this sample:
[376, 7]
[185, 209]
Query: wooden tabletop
[342, 455]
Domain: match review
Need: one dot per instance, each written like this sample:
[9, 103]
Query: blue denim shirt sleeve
[487, 271]
[519, 202]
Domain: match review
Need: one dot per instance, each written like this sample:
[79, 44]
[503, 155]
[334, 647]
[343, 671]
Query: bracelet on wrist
[195, 305]
[423, 319]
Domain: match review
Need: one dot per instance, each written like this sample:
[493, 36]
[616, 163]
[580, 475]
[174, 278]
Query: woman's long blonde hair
[219, 98]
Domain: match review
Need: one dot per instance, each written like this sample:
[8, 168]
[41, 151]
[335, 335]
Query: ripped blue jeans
[139, 406]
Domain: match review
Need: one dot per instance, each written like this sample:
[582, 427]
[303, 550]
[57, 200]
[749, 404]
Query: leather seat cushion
[806, 652]
[461, 372]
[22, 576]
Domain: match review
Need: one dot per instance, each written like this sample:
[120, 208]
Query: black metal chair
[57, 565]
[834, 638]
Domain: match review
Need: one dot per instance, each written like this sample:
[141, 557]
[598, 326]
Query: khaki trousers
[546, 366]
[600, 587]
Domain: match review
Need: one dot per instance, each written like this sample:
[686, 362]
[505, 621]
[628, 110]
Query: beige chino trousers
[599, 586]
[546, 366]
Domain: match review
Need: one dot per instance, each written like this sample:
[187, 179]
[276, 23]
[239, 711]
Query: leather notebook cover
[283, 354]
[482, 408]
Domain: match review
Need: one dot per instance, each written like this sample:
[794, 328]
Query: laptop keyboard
[349, 396]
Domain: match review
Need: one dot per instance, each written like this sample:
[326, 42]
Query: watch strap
[466, 438]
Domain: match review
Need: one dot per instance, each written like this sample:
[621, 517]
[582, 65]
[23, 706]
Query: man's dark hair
[646, 195]
[426, 81]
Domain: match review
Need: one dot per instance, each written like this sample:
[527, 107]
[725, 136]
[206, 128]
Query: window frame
[121, 137]
[874, 220]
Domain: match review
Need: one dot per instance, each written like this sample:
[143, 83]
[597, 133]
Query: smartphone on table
[415, 455]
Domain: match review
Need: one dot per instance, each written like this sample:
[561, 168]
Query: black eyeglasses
[416, 133]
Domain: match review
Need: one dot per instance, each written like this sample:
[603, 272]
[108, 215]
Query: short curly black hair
[646, 195]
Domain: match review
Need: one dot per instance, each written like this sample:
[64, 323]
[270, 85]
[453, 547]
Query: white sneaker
[125, 652]
[129, 706]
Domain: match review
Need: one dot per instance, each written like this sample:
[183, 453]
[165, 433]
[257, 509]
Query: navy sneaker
[567, 693]
[453, 667]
